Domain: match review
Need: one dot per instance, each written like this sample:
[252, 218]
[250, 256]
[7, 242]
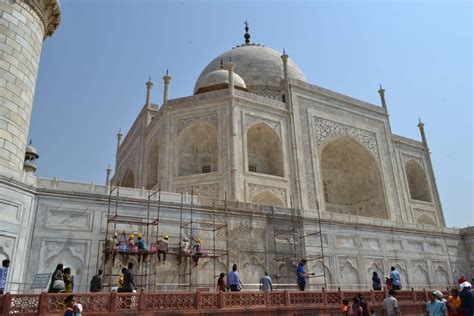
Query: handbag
[59, 285]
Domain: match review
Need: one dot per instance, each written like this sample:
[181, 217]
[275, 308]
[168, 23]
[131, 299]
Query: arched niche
[264, 150]
[153, 163]
[417, 181]
[352, 180]
[128, 179]
[268, 198]
[197, 149]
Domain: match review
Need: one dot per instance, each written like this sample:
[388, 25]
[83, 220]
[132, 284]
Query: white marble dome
[218, 77]
[260, 67]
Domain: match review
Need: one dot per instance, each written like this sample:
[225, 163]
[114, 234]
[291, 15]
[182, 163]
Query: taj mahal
[258, 163]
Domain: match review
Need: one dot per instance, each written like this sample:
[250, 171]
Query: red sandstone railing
[325, 302]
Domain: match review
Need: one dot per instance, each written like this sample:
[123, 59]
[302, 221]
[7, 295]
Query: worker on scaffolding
[301, 274]
[131, 242]
[142, 246]
[184, 250]
[197, 251]
[163, 248]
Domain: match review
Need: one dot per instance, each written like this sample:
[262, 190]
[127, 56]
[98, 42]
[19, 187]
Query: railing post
[7, 298]
[113, 302]
[142, 301]
[413, 293]
[221, 299]
[325, 297]
[268, 298]
[427, 297]
[198, 299]
[287, 297]
[43, 303]
[372, 297]
[341, 295]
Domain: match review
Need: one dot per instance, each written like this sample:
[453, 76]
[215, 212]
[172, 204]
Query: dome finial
[222, 64]
[247, 35]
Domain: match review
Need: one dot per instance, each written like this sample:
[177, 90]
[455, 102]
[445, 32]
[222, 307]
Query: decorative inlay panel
[252, 119]
[326, 129]
[255, 189]
[185, 122]
[308, 162]
[205, 190]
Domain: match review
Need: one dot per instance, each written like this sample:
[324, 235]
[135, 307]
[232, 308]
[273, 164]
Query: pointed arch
[128, 179]
[264, 150]
[421, 277]
[197, 149]
[425, 219]
[153, 163]
[417, 181]
[352, 179]
[268, 198]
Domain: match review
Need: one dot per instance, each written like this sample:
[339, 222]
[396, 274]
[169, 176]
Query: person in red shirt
[221, 286]
[461, 279]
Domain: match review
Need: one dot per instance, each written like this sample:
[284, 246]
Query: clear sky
[93, 71]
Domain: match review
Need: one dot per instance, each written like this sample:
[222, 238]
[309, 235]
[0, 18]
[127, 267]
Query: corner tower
[24, 24]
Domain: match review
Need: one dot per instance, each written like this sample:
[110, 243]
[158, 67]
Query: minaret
[382, 97]
[421, 126]
[107, 177]
[284, 58]
[166, 81]
[32, 22]
[119, 141]
[149, 86]
[230, 67]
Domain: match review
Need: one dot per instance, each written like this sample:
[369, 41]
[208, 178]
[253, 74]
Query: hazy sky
[93, 71]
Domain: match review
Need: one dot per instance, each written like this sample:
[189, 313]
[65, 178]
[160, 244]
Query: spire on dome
[247, 35]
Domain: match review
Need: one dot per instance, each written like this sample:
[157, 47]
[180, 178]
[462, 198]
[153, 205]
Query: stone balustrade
[412, 302]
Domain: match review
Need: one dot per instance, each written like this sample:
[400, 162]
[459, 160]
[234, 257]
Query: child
[77, 309]
[346, 309]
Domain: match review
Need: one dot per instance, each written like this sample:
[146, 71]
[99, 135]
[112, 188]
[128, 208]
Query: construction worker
[141, 243]
[131, 242]
[184, 250]
[163, 248]
[197, 251]
[120, 280]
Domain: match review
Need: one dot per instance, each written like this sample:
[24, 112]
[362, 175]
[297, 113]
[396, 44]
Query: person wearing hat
[435, 306]
[467, 298]
[141, 243]
[197, 251]
[163, 248]
[131, 242]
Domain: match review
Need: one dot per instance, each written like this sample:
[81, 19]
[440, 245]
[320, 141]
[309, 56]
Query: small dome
[30, 150]
[218, 78]
[261, 67]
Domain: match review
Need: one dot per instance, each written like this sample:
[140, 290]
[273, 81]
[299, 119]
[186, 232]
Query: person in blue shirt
[467, 298]
[141, 243]
[395, 279]
[233, 280]
[435, 307]
[302, 275]
[3, 274]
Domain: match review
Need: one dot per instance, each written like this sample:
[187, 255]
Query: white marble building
[254, 132]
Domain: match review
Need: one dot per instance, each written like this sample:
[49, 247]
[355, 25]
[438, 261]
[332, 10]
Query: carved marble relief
[326, 129]
[440, 273]
[424, 216]
[420, 273]
[210, 190]
[208, 118]
[254, 189]
[252, 119]
[348, 271]
[308, 162]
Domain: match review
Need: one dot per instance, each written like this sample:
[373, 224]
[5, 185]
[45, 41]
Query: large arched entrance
[352, 180]
[264, 150]
[197, 149]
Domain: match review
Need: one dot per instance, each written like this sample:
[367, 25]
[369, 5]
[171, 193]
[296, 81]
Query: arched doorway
[352, 180]
[264, 150]
[128, 179]
[153, 163]
[197, 149]
[417, 182]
